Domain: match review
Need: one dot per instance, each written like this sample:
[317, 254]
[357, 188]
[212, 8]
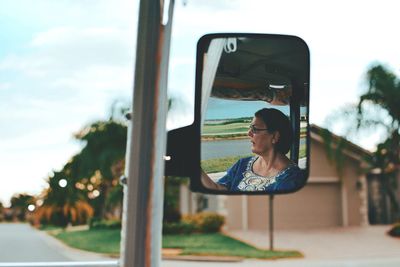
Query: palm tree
[1, 211]
[19, 205]
[104, 153]
[383, 96]
[63, 203]
[384, 93]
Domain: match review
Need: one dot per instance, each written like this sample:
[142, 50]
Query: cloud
[5, 86]
[65, 71]
[68, 49]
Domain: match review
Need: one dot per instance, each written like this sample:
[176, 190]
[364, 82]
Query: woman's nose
[250, 133]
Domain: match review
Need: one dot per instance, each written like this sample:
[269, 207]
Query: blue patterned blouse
[240, 177]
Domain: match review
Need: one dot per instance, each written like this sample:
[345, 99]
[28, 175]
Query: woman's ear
[275, 137]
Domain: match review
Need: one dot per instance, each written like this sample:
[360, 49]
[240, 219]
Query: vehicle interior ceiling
[262, 69]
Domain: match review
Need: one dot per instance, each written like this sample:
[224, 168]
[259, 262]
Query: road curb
[200, 258]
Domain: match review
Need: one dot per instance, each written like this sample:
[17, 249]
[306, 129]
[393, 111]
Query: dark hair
[276, 121]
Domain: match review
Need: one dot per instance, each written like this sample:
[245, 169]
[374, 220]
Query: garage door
[317, 205]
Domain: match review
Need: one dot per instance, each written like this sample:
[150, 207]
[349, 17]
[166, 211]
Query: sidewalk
[336, 243]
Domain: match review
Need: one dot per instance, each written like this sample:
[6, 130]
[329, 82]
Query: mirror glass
[254, 113]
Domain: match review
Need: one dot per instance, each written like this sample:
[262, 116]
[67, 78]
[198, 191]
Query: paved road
[22, 243]
[383, 262]
[226, 148]
[349, 247]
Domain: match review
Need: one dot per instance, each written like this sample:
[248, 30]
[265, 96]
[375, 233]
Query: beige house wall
[351, 176]
[352, 180]
[327, 200]
[294, 211]
[236, 213]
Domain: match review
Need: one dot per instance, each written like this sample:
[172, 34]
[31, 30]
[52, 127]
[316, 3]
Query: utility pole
[271, 222]
[143, 194]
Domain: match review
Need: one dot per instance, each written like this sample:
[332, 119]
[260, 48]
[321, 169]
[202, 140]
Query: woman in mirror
[270, 170]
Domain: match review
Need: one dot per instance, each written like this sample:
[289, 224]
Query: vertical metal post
[295, 121]
[271, 222]
[143, 195]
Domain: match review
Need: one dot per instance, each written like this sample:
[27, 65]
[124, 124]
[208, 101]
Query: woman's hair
[276, 121]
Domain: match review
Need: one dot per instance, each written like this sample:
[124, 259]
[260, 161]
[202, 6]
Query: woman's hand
[209, 183]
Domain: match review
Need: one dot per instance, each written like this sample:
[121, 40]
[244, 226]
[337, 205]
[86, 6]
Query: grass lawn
[220, 245]
[222, 164]
[238, 127]
[107, 241]
[219, 164]
[231, 130]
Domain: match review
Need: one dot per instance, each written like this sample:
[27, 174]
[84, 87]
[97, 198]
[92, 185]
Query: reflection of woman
[270, 170]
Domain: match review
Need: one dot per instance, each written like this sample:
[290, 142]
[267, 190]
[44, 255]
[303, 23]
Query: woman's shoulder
[243, 164]
[292, 177]
[291, 172]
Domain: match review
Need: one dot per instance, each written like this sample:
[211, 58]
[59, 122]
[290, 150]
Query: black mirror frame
[183, 144]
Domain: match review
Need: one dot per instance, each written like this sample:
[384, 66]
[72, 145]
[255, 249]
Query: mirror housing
[250, 68]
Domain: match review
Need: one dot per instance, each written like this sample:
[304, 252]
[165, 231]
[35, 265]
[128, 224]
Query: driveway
[346, 246]
[342, 243]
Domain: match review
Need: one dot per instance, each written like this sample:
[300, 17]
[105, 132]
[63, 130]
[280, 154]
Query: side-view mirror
[251, 131]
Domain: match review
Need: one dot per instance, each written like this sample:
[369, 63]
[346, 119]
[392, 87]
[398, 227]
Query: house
[335, 194]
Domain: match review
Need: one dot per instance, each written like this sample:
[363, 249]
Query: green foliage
[395, 230]
[214, 137]
[103, 155]
[219, 164]
[19, 205]
[63, 205]
[383, 91]
[22, 201]
[1, 212]
[49, 227]
[205, 222]
[104, 224]
[104, 150]
[229, 121]
[57, 218]
[334, 149]
[378, 109]
[182, 227]
[171, 213]
[105, 144]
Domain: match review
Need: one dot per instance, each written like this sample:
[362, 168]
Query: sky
[63, 63]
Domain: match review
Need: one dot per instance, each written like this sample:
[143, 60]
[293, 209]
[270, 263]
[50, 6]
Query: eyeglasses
[255, 130]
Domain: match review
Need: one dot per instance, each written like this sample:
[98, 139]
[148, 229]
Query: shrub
[395, 230]
[206, 222]
[178, 228]
[171, 215]
[104, 224]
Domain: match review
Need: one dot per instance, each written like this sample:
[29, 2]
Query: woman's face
[261, 140]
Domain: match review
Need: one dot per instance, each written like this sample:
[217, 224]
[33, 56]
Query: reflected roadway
[227, 148]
